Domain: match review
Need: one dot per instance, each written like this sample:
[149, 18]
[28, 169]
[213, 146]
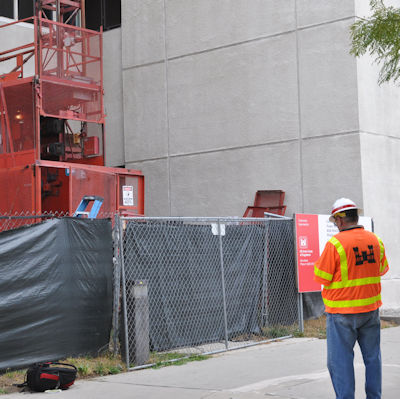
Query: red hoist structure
[52, 118]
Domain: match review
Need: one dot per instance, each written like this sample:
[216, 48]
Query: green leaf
[379, 35]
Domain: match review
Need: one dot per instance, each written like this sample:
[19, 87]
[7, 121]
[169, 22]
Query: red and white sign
[127, 195]
[312, 233]
[307, 244]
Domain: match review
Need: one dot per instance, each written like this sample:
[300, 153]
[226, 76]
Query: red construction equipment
[52, 119]
[270, 201]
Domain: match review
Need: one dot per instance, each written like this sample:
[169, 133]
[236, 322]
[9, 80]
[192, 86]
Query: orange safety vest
[350, 268]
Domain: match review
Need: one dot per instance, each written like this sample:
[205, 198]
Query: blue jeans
[343, 330]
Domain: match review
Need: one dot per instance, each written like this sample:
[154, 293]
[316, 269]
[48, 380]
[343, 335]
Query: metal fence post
[299, 294]
[301, 316]
[264, 309]
[117, 283]
[139, 312]
[221, 253]
[121, 254]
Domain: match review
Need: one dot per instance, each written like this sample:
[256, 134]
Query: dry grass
[316, 328]
[94, 367]
[388, 324]
[8, 379]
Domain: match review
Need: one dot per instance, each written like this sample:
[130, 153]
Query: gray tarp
[55, 290]
[181, 264]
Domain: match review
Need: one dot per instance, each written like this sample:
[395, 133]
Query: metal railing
[202, 285]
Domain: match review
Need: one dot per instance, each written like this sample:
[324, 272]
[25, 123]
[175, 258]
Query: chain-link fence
[202, 285]
[9, 221]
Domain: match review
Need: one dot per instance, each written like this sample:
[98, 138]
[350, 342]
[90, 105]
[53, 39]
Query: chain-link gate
[202, 285]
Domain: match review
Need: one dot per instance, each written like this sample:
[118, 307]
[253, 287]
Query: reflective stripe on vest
[352, 303]
[345, 282]
[322, 274]
[383, 265]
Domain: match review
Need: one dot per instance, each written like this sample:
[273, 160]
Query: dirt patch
[10, 378]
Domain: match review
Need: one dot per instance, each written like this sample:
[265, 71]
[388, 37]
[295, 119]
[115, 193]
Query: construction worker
[349, 269]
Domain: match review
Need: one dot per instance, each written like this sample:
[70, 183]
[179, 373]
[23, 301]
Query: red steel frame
[64, 91]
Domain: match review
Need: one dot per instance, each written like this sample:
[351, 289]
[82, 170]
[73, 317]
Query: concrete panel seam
[299, 113]
[379, 134]
[143, 65]
[260, 38]
[249, 41]
[210, 50]
[167, 106]
[333, 21]
[146, 160]
[322, 136]
[215, 150]
[296, 140]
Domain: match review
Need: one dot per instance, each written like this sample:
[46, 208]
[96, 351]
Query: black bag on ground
[50, 375]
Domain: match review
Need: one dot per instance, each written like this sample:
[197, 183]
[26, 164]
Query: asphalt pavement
[291, 369]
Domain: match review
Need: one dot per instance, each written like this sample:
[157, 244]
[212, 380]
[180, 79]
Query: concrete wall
[113, 98]
[225, 98]
[380, 146]
[381, 187]
[208, 82]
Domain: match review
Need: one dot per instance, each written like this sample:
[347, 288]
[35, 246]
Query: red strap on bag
[67, 385]
[49, 376]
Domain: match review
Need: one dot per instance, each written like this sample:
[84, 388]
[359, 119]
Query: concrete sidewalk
[292, 369]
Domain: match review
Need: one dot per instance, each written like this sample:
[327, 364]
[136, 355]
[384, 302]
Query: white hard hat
[341, 205]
